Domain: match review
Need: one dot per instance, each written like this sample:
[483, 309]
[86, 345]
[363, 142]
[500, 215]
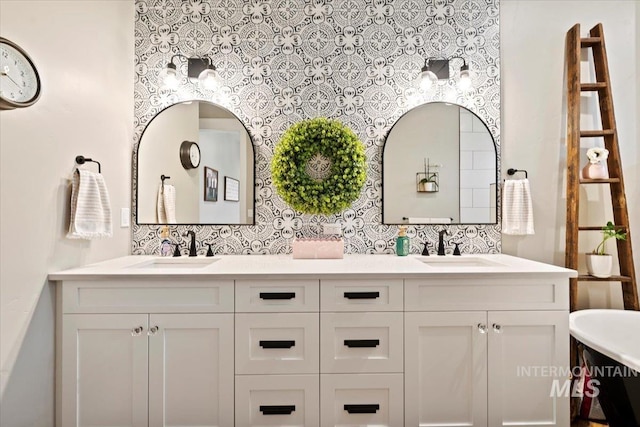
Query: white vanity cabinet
[473, 367]
[125, 362]
[272, 341]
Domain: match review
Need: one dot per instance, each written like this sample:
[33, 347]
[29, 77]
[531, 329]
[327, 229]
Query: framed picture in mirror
[210, 185]
[231, 189]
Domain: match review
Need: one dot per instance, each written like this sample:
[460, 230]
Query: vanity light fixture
[438, 69]
[201, 69]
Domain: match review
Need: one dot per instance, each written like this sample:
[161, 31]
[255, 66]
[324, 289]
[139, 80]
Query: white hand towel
[90, 206]
[166, 205]
[517, 210]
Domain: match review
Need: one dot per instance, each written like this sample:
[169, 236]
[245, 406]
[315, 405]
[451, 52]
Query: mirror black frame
[253, 151]
[384, 147]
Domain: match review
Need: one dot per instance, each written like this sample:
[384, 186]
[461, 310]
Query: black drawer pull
[277, 295]
[277, 409]
[362, 343]
[362, 409]
[277, 344]
[362, 295]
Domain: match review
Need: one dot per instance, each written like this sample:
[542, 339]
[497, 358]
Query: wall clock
[19, 79]
[189, 155]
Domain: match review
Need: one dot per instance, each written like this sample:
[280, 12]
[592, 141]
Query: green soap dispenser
[402, 242]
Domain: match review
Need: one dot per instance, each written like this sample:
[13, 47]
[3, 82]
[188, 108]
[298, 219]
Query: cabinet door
[445, 369]
[104, 370]
[527, 349]
[190, 370]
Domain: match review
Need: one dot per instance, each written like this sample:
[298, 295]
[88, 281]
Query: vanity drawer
[255, 296]
[362, 400]
[361, 295]
[277, 343]
[361, 342]
[277, 400]
[148, 296]
[456, 295]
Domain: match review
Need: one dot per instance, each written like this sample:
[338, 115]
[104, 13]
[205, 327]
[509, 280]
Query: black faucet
[192, 245]
[441, 241]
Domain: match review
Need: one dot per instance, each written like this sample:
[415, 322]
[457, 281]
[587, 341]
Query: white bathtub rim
[620, 343]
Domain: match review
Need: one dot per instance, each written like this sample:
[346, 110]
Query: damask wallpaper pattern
[282, 61]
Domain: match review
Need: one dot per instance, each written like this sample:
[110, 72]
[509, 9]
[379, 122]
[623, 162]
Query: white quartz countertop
[273, 266]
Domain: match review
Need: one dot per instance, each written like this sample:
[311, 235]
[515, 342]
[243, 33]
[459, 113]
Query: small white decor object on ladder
[596, 168]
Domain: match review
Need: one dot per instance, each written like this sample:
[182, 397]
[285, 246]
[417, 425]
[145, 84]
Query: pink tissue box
[318, 248]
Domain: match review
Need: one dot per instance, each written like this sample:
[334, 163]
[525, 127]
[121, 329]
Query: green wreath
[319, 166]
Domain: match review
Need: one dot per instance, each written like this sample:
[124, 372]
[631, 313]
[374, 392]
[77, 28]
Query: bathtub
[612, 350]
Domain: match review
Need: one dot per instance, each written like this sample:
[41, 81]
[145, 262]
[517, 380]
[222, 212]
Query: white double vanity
[368, 340]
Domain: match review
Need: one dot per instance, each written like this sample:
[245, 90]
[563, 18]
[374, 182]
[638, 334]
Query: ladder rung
[588, 278]
[600, 181]
[590, 41]
[591, 87]
[596, 228]
[595, 133]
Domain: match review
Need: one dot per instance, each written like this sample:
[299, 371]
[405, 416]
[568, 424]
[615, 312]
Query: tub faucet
[441, 241]
[192, 245]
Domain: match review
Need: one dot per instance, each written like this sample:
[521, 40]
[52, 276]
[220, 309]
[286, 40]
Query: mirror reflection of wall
[225, 146]
[461, 146]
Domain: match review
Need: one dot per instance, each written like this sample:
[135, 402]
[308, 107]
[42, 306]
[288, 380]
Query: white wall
[477, 170]
[84, 53]
[244, 174]
[159, 154]
[430, 131]
[534, 125]
[220, 151]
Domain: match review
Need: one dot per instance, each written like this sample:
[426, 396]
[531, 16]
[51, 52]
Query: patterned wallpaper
[282, 61]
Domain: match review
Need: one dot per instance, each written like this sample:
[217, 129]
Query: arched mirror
[205, 155]
[439, 167]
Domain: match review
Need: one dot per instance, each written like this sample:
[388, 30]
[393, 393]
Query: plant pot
[599, 265]
[595, 171]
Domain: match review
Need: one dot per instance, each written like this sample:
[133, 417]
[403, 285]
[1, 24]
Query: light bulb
[427, 78]
[464, 83]
[209, 78]
[169, 77]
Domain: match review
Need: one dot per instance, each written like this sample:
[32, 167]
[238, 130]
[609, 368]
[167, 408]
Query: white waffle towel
[90, 206]
[166, 205]
[517, 210]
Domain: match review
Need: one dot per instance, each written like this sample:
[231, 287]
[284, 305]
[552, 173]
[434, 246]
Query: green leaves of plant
[609, 231]
[298, 145]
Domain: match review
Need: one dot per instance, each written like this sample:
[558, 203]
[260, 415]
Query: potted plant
[598, 261]
[429, 183]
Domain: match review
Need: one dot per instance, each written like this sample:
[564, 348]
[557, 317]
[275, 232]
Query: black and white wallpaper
[282, 61]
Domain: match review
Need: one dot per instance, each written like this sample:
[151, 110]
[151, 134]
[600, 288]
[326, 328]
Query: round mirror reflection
[216, 187]
[439, 167]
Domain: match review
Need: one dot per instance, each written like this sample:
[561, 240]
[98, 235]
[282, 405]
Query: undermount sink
[171, 262]
[458, 262]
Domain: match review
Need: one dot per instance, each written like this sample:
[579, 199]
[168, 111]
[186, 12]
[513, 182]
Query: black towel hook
[81, 160]
[512, 171]
[163, 177]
